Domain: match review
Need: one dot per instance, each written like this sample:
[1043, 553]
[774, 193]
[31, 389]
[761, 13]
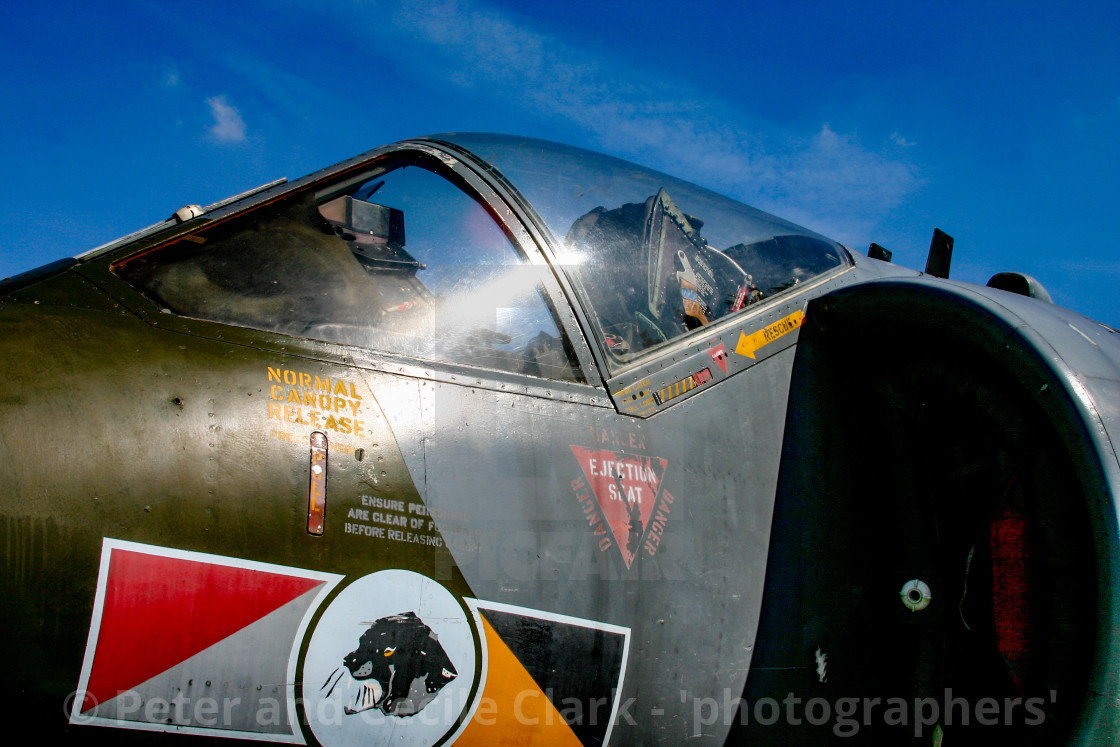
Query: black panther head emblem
[398, 667]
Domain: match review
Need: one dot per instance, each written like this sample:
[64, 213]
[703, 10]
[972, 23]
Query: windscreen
[400, 258]
[654, 257]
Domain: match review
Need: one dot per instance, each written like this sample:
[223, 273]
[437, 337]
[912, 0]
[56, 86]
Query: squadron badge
[391, 661]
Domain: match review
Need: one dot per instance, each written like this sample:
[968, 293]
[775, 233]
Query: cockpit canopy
[405, 255]
[654, 256]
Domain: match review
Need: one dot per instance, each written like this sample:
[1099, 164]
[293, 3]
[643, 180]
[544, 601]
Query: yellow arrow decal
[749, 344]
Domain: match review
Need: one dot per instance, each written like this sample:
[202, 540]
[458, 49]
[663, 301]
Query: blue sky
[871, 121]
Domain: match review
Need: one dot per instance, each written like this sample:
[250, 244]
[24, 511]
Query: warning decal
[719, 355]
[685, 385]
[630, 507]
[749, 345]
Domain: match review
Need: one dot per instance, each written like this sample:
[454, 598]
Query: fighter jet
[479, 439]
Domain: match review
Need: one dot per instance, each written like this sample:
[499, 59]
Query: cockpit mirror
[375, 232]
[369, 222]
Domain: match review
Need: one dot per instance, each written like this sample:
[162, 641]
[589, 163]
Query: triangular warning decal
[159, 609]
[719, 355]
[626, 488]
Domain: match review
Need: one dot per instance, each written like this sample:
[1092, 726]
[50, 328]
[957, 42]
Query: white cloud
[838, 187]
[1091, 267]
[228, 125]
[170, 75]
[824, 179]
[900, 141]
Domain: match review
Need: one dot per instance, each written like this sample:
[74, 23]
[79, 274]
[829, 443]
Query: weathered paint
[572, 552]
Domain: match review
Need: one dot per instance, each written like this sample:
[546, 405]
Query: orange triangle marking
[513, 709]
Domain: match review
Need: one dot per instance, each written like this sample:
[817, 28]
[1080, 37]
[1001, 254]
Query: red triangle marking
[626, 488]
[719, 355]
[160, 611]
